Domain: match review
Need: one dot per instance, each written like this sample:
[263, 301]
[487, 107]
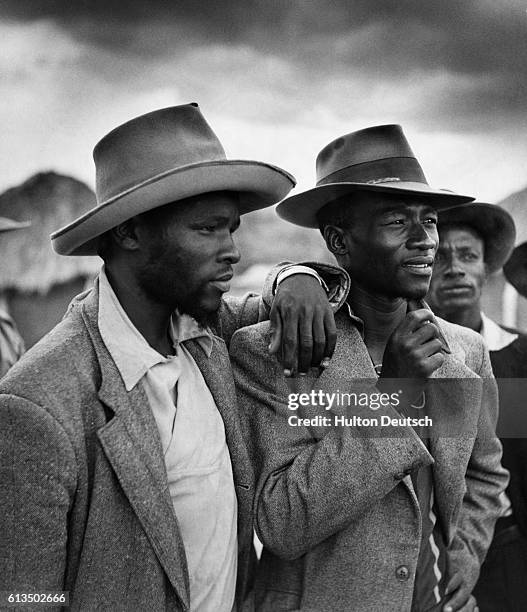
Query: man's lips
[421, 266]
[454, 290]
[222, 282]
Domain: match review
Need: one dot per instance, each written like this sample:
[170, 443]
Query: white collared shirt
[496, 338]
[192, 434]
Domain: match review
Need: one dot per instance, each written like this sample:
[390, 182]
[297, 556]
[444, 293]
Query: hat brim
[494, 224]
[8, 225]
[515, 269]
[302, 209]
[259, 185]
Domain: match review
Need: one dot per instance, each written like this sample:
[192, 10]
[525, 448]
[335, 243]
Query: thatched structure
[49, 201]
[36, 283]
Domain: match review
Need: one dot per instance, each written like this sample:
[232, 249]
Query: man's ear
[334, 237]
[125, 235]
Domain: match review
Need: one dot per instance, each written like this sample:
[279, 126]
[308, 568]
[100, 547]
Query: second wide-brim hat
[515, 269]
[162, 157]
[492, 222]
[374, 159]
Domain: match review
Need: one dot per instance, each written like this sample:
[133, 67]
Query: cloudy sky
[277, 80]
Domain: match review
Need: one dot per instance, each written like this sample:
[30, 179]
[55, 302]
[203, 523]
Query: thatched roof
[49, 201]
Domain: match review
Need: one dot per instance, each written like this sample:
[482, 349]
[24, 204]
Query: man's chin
[415, 292]
[205, 312]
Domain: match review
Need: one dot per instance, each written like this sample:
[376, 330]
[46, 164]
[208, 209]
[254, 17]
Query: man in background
[475, 241]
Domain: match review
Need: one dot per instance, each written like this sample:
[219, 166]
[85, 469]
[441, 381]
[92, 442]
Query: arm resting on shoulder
[236, 313]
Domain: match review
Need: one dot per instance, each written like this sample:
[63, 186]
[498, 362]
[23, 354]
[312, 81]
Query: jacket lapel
[216, 371]
[131, 443]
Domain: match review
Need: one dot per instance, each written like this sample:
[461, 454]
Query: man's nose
[421, 238]
[453, 267]
[230, 252]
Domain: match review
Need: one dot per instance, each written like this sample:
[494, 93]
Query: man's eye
[469, 256]
[208, 228]
[430, 221]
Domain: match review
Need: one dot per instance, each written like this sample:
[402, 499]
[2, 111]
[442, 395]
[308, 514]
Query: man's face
[459, 271]
[391, 245]
[188, 253]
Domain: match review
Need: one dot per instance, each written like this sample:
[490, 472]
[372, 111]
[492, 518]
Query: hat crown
[372, 155]
[151, 144]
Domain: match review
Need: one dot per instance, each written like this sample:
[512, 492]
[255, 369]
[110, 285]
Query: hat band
[390, 170]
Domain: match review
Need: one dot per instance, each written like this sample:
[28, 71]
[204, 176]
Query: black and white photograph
[263, 305]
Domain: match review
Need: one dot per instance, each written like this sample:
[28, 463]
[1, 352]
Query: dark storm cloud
[479, 46]
[468, 36]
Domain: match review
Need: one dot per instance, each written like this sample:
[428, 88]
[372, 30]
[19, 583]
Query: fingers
[275, 331]
[470, 606]
[331, 338]
[319, 340]
[454, 583]
[461, 598]
[305, 345]
[415, 319]
[289, 345]
[425, 333]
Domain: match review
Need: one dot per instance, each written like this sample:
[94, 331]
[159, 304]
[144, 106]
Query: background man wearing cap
[375, 518]
[125, 480]
[11, 343]
[476, 241]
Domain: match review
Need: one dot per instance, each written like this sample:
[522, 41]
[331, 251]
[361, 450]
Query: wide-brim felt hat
[515, 269]
[490, 221]
[162, 157]
[8, 225]
[376, 159]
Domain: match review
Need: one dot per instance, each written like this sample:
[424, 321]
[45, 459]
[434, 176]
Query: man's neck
[150, 318]
[380, 315]
[467, 317]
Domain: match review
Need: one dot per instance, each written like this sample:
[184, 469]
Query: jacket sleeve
[310, 484]
[37, 485]
[485, 481]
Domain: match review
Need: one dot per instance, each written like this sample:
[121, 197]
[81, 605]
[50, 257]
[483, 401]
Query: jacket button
[402, 573]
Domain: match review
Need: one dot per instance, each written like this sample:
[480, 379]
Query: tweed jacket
[336, 511]
[84, 504]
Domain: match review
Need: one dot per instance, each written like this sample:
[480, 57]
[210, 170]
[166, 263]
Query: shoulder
[466, 345]
[250, 356]
[253, 339]
[59, 361]
[461, 336]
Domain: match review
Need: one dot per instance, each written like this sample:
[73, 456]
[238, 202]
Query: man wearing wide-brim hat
[476, 241]
[125, 478]
[11, 343]
[369, 510]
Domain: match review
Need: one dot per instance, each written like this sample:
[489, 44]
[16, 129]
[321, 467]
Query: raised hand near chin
[414, 351]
